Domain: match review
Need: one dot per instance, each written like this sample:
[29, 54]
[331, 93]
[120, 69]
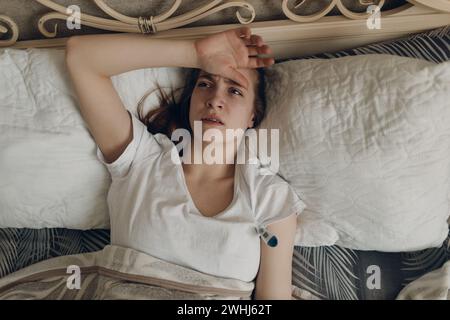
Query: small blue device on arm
[269, 238]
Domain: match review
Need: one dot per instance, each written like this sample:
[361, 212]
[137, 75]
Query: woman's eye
[203, 84]
[235, 91]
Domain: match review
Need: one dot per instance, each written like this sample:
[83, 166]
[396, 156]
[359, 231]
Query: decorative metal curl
[152, 24]
[334, 3]
[356, 15]
[14, 29]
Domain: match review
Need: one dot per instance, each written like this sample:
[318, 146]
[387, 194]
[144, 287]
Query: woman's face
[220, 98]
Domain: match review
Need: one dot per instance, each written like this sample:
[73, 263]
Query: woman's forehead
[247, 73]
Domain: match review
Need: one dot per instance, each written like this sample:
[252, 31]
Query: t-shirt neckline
[191, 201]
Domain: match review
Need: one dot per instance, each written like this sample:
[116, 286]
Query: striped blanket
[117, 273]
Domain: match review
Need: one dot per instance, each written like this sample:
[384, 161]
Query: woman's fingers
[254, 62]
[254, 40]
[243, 32]
[255, 46]
[254, 51]
[249, 39]
[255, 43]
[267, 62]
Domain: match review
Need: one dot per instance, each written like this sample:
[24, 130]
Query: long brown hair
[173, 113]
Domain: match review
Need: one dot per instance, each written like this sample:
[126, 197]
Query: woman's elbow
[72, 45]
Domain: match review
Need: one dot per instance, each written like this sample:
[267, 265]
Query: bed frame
[295, 36]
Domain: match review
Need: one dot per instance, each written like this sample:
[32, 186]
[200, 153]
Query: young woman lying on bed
[208, 217]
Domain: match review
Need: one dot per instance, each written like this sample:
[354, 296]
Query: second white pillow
[365, 141]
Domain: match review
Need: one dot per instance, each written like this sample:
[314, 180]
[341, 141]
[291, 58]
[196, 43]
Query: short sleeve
[274, 199]
[141, 146]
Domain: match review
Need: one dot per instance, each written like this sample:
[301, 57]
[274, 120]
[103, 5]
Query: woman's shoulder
[164, 141]
[255, 172]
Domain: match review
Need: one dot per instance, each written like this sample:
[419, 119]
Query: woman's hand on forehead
[225, 52]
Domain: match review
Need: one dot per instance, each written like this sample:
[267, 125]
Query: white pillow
[365, 141]
[49, 173]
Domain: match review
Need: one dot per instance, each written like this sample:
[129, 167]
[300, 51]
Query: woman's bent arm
[91, 61]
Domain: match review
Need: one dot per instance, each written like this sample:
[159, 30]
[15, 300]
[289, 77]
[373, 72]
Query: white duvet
[365, 141]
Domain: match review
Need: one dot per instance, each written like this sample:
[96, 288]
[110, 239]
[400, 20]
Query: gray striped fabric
[323, 272]
[432, 46]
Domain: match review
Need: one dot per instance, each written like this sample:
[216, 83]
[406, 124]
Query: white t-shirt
[151, 210]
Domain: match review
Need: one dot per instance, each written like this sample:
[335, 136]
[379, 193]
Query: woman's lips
[212, 122]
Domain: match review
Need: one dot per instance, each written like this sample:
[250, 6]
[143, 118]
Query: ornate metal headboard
[295, 36]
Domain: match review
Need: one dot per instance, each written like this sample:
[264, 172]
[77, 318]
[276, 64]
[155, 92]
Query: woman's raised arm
[91, 61]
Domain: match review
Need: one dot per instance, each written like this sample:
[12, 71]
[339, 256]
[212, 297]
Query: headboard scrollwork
[152, 24]
[167, 21]
[3, 30]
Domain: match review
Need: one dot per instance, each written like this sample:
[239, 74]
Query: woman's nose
[215, 101]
